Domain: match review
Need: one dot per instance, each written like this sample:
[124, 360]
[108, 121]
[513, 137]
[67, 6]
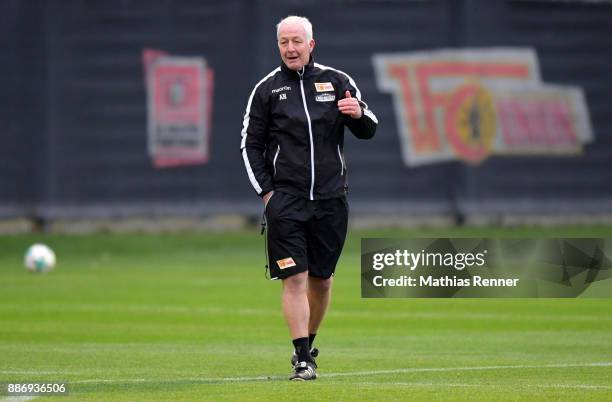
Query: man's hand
[266, 198]
[350, 106]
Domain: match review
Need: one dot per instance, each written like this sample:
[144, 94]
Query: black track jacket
[293, 132]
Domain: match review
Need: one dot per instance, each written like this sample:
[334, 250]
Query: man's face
[292, 45]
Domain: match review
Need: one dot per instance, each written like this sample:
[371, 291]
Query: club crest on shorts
[286, 263]
[324, 86]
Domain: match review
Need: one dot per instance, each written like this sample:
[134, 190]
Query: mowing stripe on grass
[460, 385]
[35, 372]
[160, 309]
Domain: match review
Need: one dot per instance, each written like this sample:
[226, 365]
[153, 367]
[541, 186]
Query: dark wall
[22, 106]
[74, 117]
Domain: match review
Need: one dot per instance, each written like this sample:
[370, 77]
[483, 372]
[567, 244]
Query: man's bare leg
[319, 297]
[295, 304]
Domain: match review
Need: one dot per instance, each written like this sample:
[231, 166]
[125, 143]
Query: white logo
[277, 90]
[282, 96]
[325, 98]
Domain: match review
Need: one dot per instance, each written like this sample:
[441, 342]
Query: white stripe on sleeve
[252, 178]
[245, 126]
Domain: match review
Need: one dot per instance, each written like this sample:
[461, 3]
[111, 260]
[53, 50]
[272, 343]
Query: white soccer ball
[39, 258]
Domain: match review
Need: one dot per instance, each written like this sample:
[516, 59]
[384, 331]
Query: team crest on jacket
[324, 86]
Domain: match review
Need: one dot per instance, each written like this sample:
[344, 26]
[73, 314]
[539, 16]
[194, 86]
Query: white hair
[303, 21]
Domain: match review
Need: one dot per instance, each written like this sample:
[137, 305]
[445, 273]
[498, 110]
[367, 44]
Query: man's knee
[320, 285]
[296, 283]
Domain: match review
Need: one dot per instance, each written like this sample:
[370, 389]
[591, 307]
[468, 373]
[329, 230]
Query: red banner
[179, 100]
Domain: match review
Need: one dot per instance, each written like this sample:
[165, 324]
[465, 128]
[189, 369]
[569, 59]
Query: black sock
[311, 340]
[302, 350]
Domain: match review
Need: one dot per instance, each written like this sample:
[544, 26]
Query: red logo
[179, 91]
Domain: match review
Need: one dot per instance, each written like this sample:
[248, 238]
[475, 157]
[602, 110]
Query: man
[292, 147]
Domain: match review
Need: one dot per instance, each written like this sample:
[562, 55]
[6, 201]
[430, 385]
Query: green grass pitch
[171, 317]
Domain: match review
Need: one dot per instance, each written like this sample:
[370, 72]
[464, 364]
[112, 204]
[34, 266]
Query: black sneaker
[314, 352]
[304, 371]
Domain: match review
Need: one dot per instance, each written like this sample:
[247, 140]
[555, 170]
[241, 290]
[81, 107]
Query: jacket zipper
[312, 169]
[275, 157]
[341, 161]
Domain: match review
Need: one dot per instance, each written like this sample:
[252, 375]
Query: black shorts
[304, 235]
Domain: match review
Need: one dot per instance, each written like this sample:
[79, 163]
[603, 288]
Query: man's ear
[311, 45]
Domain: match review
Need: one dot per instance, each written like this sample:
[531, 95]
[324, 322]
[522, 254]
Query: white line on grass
[580, 386]
[362, 373]
[18, 398]
[328, 375]
[475, 368]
